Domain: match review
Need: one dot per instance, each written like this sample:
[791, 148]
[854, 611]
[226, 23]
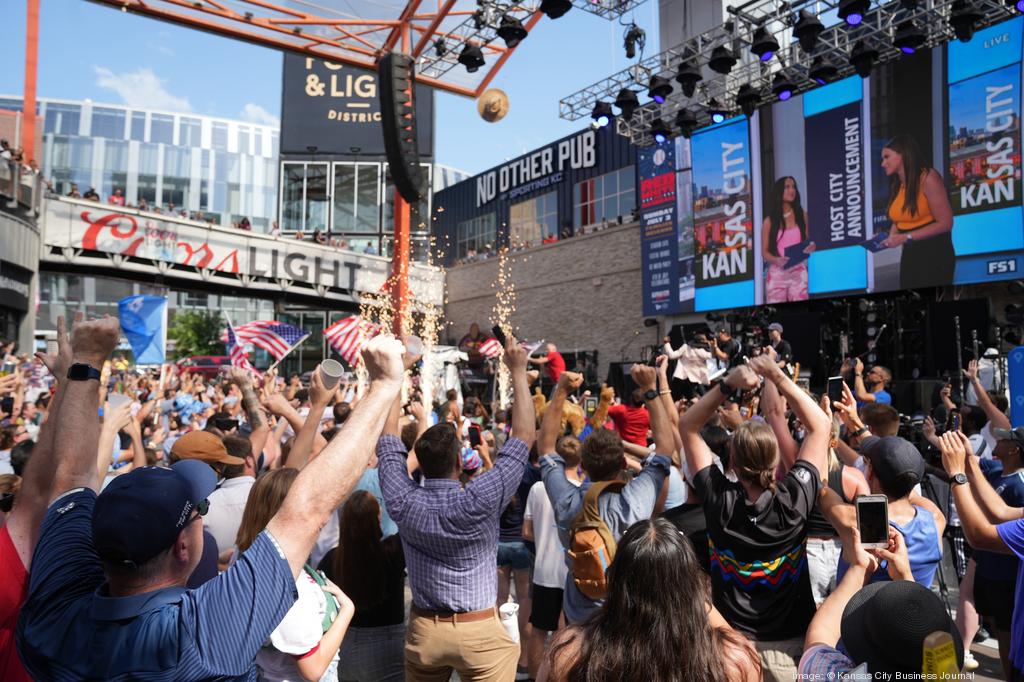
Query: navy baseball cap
[1016, 435]
[141, 513]
[895, 461]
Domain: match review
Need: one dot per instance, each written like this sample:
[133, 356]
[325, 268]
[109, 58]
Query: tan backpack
[591, 542]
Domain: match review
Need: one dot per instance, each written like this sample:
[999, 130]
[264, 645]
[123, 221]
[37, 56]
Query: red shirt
[555, 365]
[117, 200]
[13, 589]
[632, 423]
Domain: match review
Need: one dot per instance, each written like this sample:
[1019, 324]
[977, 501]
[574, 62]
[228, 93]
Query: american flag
[348, 336]
[277, 338]
[239, 358]
[491, 348]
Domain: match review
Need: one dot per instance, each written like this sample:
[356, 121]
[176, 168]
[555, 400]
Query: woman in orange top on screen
[921, 216]
[785, 226]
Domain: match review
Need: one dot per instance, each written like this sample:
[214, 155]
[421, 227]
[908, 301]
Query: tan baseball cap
[205, 447]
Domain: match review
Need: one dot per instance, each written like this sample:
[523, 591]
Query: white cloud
[140, 89]
[254, 113]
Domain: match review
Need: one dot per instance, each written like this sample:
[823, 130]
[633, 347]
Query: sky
[88, 51]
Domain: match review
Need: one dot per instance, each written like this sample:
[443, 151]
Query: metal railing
[21, 189]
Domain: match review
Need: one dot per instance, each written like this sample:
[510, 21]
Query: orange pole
[400, 264]
[28, 106]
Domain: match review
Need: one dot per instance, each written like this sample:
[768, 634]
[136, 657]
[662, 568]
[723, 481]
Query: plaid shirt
[450, 533]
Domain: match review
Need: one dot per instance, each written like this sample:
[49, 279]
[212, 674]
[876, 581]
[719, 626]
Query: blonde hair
[754, 454]
[265, 499]
[833, 459]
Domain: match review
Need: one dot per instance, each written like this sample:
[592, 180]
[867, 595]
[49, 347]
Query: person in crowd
[783, 351]
[657, 623]
[727, 349]
[109, 571]
[91, 194]
[470, 345]
[450, 538]
[603, 460]
[921, 215]
[370, 568]
[632, 420]
[227, 503]
[757, 525]
[73, 193]
[785, 227]
[6, 153]
[552, 362]
[117, 198]
[870, 387]
[691, 372]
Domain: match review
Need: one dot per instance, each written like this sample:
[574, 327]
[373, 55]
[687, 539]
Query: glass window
[108, 123]
[243, 140]
[161, 129]
[316, 197]
[176, 161]
[475, 236]
[148, 155]
[367, 203]
[534, 221]
[344, 197]
[292, 195]
[189, 132]
[62, 119]
[115, 155]
[605, 200]
[220, 136]
[138, 126]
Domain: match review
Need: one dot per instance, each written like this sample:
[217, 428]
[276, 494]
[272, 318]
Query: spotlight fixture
[440, 49]
[479, 20]
[511, 31]
[635, 36]
[863, 58]
[782, 87]
[807, 30]
[822, 70]
[602, 114]
[627, 103]
[716, 111]
[688, 76]
[963, 18]
[555, 8]
[853, 11]
[471, 57]
[722, 59]
[660, 88]
[1019, 4]
[908, 37]
[659, 131]
[763, 44]
[686, 121]
[747, 99]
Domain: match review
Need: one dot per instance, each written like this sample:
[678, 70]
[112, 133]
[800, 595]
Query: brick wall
[583, 293]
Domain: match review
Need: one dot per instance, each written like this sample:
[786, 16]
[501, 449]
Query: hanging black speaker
[397, 77]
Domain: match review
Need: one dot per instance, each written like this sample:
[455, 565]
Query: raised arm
[669, 407]
[308, 439]
[327, 480]
[698, 454]
[994, 507]
[524, 419]
[996, 416]
[859, 390]
[979, 531]
[253, 414]
[773, 407]
[669, 352]
[646, 379]
[551, 423]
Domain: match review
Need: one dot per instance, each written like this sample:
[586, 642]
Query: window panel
[607, 199]
[316, 197]
[108, 123]
[534, 221]
[476, 236]
[138, 132]
[292, 193]
[344, 197]
[367, 206]
[161, 129]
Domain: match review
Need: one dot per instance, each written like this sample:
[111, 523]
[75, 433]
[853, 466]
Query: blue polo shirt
[70, 630]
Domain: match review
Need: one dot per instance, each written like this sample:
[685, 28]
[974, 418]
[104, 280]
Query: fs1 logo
[1001, 267]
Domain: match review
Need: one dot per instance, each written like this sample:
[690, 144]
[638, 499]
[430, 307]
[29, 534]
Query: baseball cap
[885, 625]
[205, 447]
[775, 326]
[891, 458]
[1016, 435]
[141, 513]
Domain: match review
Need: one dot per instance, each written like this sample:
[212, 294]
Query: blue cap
[141, 513]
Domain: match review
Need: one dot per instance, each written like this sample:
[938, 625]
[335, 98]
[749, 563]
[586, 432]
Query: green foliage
[196, 333]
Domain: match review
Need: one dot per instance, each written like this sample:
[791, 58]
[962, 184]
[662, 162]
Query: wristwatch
[83, 372]
[958, 479]
[650, 394]
[859, 432]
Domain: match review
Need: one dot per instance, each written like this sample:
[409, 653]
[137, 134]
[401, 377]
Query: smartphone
[835, 389]
[499, 334]
[873, 520]
[954, 420]
[225, 424]
[474, 436]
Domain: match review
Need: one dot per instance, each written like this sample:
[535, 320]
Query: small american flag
[348, 336]
[491, 348]
[239, 358]
[277, 338]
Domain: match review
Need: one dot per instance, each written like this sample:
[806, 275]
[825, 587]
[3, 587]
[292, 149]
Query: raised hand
[59, 362]
[764, 364]
[928, 428]
[896, 555]
[515, 355]
[240, 377]
[972, 370]
[954, 455]
[570, 381]
[93, 341]
[383, 359]
[645, 377]
[319, 394]
[742, 377]
[117, 418]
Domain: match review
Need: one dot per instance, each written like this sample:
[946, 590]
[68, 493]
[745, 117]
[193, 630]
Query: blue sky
[91, 51]
[707, 152]
[967, 99]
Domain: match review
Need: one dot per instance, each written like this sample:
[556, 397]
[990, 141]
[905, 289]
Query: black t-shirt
[784, 350]
[510, 525]
[391, 609]
[758, 561]
[689, 519]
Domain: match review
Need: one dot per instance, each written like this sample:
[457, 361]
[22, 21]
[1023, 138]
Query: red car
[207, 366]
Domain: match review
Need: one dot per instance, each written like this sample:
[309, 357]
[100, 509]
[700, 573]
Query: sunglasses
[202, 507]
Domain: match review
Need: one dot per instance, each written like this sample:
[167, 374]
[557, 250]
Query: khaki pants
[780, 658]
[481, 651]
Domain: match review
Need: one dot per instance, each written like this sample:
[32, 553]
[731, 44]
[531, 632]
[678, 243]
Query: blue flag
[144, 322]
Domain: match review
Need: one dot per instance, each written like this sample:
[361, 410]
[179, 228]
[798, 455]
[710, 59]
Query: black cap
[1016, 435]
[885, 625]
[891, 458]
[141, 513]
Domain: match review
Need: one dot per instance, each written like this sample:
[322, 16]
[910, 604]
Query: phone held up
[835, 389]
[499, 334]
[873, 520]
[474, 436]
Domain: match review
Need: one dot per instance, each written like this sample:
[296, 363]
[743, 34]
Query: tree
[196, 333]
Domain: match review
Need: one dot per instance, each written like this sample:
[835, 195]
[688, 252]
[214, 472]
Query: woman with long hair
[922, 218]
[371, 570]
[304, 646]
[785, 226]
[657, 622]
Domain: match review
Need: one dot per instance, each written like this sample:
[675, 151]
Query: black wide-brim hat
[885, 624]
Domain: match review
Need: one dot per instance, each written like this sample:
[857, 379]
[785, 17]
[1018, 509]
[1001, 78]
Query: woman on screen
[921, 216]
[785, 227]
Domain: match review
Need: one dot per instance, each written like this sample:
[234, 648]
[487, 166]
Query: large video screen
[908, 179]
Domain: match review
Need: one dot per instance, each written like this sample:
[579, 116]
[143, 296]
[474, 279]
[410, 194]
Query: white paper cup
[330, 372]
[116, 400]
[507, 614]
[413, 345]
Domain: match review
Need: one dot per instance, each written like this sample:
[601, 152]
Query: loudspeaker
[620, 379]
[397, 78]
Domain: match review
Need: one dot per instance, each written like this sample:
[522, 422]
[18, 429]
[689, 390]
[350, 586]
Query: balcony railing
[21, 189]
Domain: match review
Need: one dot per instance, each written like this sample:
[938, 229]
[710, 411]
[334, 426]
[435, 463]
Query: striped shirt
[450, 533]
[70, 630]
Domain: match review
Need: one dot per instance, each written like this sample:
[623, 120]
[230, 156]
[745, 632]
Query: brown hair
[568, 447]
[10, 483]
[265, 499]
[883, 420]
[359, 561]
[602, 455]
[754, 454]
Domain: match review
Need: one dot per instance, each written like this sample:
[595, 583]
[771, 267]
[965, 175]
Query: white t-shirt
[549, 568]
[297, 635]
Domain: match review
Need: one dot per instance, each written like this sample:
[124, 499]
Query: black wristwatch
[83, 372]
[958, 479]
[650, 394]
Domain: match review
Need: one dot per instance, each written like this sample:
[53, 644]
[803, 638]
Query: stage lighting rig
[686, 121]
[863, 58]
[603, 114]
[823, 70]
[963, 18]
[511, 31]
[764, 44]
[659, 89]
[659, 131]
[472, 58]
[853, 11]
[688, 76]
[440, 49]
[555, 8]
[747, 99]
[1016, 4]
[807, 30]
[782, 86]
[722, 59]
[716, 111]
[627, 103]
[909, 37]
[633, 38]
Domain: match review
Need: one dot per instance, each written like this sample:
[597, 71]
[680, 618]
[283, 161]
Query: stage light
[1018, 4]
[716, 112]
[686, 121]
[472, 58]
[963, 18]
[555, 8]
[763, 44]
[479, 20]
[627, 103]
[722, 59]
[782, 87]
[660, 88]
[634, 36]
[602, 114]
[822, 70]
[862, 58]
[853, 11]
[688, 76]
[511, 31]
[747, 99]
[440, 49]
[659, 131]
[807, 30]
[908, 37]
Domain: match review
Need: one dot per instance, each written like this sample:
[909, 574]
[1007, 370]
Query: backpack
[591, 543]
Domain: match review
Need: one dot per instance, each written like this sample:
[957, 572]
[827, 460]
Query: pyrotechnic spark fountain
[501, 315]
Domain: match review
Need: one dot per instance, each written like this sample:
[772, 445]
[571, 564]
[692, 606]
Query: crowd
[163, 526]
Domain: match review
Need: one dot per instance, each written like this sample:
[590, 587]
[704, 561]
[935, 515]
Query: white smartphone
[873, 520]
